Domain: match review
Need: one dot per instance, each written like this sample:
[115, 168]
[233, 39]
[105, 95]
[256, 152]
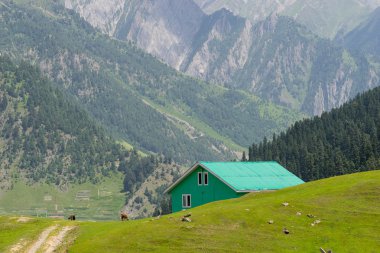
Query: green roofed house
[205, 182]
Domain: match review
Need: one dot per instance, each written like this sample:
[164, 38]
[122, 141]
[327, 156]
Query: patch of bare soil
[24, 219]
[19, 246]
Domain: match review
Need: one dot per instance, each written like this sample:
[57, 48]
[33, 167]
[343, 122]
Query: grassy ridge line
[130, 147]
[195, 122]
[347, 207]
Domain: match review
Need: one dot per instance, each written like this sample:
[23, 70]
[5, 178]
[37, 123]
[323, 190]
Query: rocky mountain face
[164, 28]
[324, 17]
[102, 14]
[276, 59]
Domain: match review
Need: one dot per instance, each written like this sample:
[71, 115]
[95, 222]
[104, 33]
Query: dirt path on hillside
[43, 236]
[54, 242]
[46, 242]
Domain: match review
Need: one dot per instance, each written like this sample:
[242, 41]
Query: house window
[205, 178]
[186, 200]
[199, 178]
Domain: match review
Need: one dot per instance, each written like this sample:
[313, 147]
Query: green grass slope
[11, 230]
[348, 208]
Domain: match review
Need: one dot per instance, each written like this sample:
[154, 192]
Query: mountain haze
[366, 37]
[324, 17]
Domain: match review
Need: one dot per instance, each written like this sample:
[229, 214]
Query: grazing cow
[71, 217]
[124, 216]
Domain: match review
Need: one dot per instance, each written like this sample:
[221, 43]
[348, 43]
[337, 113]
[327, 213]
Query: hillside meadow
[344, 212]
[102, 201]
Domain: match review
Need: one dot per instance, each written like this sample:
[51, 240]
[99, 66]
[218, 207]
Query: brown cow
[71, 217]
[124, 216]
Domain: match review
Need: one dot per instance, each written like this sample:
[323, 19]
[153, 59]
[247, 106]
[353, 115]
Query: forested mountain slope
[134, 95]
[345, 140]
[45, 136]
[275, 58]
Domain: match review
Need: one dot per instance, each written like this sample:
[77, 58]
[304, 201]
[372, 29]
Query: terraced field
[87, 201]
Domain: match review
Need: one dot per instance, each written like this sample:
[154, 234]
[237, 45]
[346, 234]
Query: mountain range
[132, 94]
[275, 58]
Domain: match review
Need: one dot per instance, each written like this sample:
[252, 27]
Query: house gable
[200, 193]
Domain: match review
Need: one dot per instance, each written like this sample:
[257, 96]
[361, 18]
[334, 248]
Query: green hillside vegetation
[46, 137]
[346, 207]
[110, 79]
[345, 140]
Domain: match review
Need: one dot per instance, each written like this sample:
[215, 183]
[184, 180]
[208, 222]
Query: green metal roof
[252, 176]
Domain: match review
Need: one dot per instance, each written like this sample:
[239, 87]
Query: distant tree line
[342, 141]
